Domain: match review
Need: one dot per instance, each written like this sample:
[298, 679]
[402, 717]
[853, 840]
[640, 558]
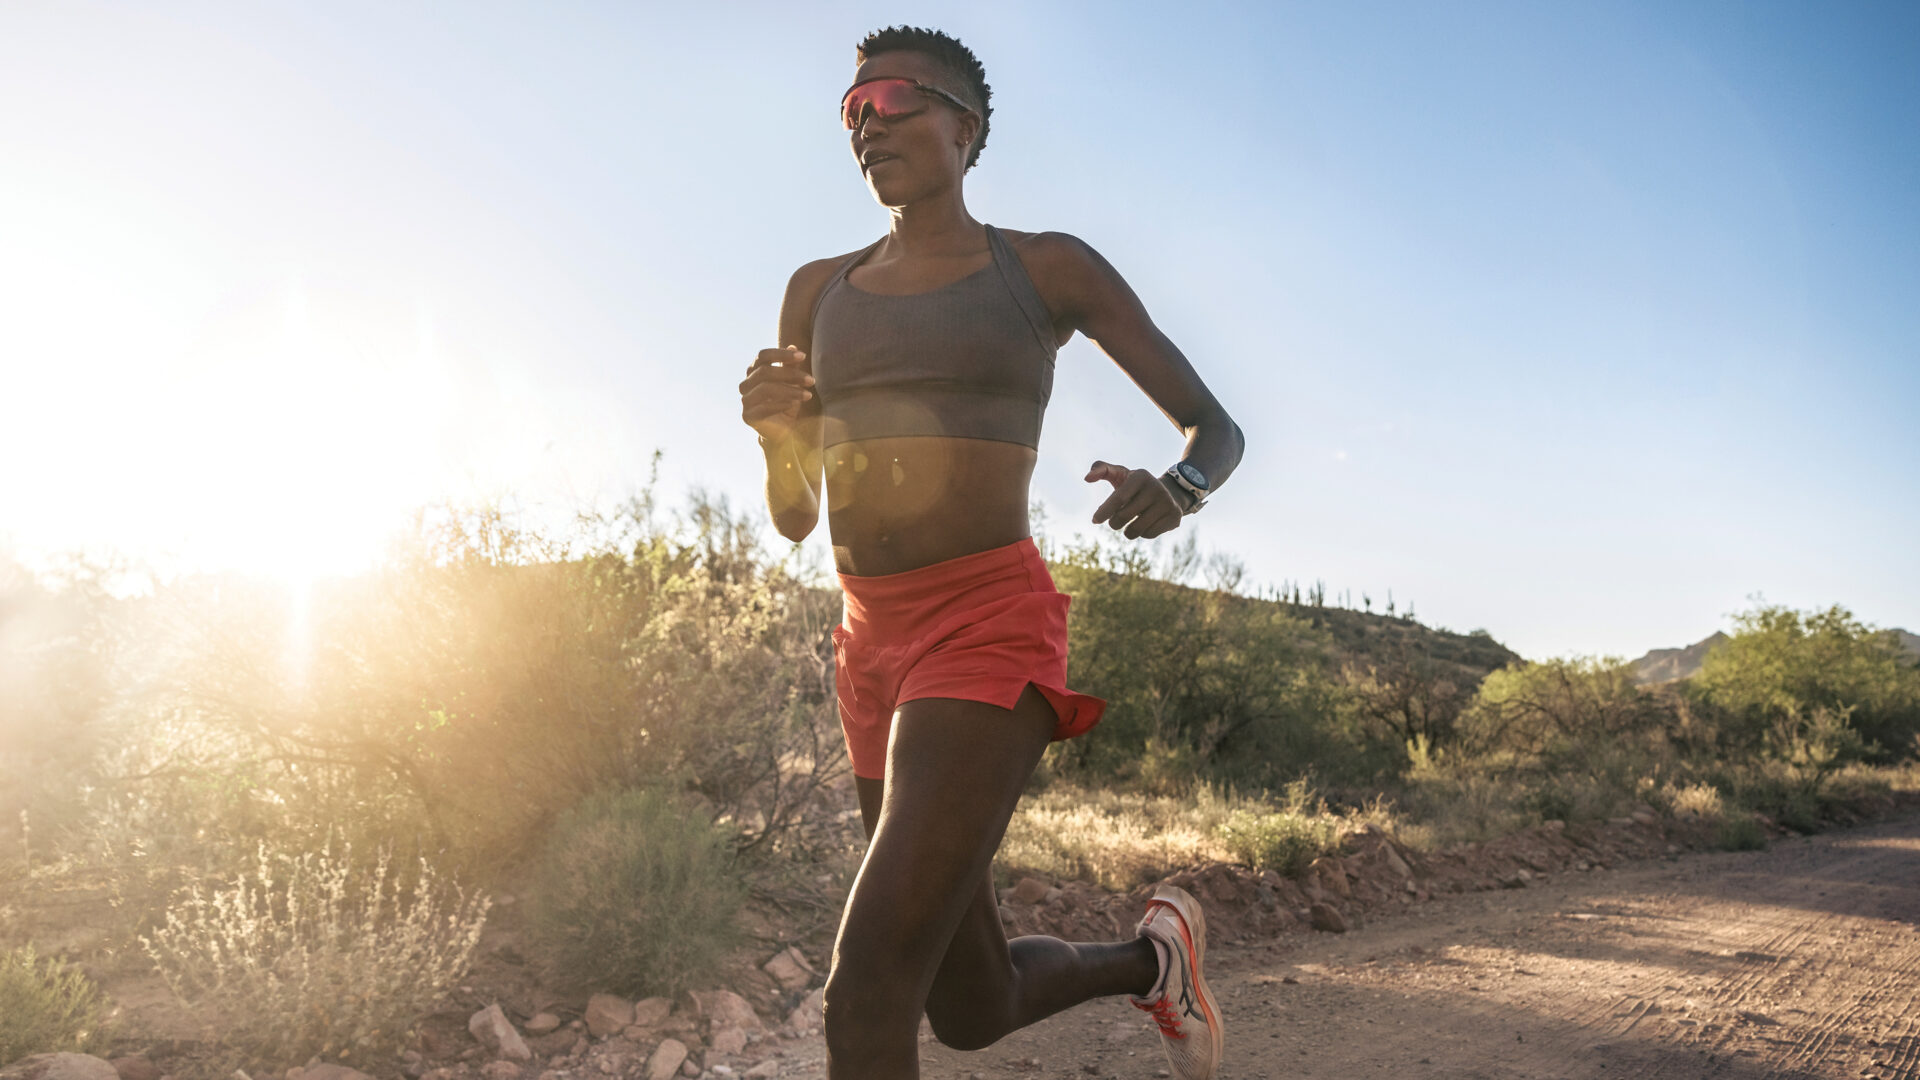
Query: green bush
[1200, 683]
[1567, 709]
[309, 954]
[1740, 832]
[635, 893]
[1781, 666]
[1285, 842]
[44, 1006]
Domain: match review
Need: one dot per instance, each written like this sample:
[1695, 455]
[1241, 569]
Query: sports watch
[1192, 480]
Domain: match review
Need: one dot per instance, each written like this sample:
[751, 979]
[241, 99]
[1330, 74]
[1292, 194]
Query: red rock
[727, 1040]
[666, 1060]
[330, 1071]
[652, 1012]
[135, 1067]
[495, 1032]
[1332, 874]
[789, 968]
[60, 1065]
[608, 1015]
[1029, 890]
[808, 1014]
[542, 1023]
[725, 1009]
[1328, 918]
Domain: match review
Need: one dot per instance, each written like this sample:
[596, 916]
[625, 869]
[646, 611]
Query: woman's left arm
[1085, 293]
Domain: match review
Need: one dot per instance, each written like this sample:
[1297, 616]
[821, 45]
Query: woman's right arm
[777, 401]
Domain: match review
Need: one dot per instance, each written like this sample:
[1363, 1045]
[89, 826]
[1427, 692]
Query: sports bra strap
[846, 265]
[1024, 292]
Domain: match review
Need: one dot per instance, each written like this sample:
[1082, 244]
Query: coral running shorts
[979, 627]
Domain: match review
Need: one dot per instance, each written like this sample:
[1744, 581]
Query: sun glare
[290, 436]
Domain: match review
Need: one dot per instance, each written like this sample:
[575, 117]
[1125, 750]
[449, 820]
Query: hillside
[1362, 636]
[1381, 639]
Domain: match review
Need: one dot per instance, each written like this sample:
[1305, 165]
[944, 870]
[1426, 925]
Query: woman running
[914, 374]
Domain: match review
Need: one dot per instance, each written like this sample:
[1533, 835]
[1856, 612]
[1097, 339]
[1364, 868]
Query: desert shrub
[1861, 788]
[1285, 838]
[1120, 839]
[1566, 739]
[45, 1005]
[1456, 799]
[1816, 745]
[1770, 788]
[1163, 769]
[56, 682]
[1700, 800]
[1282, 841]
[636, 892]
[488, 675]
[1740, 832]
[1554, 799]
[1235, 688]
[1782, 665]
[1407, 695]
[310, 954]
[1800, 812]
[1114, 838]
[1566, 708]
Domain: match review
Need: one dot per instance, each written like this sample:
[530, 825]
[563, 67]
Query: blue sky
[1582, 323]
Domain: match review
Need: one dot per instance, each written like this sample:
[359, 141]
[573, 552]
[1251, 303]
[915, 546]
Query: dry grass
[1904, 778]
[1120, 839]
[1702, 800]
[313, 954]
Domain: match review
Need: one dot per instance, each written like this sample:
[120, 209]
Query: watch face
[1193, 476]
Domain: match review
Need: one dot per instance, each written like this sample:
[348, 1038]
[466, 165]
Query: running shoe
[1180, 1003]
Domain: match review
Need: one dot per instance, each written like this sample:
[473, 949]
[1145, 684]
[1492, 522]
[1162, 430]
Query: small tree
[1407, 695]
[1206, 676]
[1558, 705]
[1817, 745]
[1781, 666]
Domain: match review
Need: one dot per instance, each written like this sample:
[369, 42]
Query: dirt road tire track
[1799, 961]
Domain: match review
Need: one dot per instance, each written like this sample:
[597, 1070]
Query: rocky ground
[1799, 961]
[1620, 949]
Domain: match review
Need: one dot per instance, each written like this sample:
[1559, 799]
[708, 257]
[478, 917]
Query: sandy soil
[1801, 960]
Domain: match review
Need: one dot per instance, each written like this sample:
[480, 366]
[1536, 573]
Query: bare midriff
[905, 502]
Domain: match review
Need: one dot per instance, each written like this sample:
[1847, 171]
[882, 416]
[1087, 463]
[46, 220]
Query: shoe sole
[1196, 919]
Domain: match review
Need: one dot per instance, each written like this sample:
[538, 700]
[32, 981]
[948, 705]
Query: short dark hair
[957, 58]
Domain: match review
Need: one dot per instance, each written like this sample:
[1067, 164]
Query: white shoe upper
[1181, 1003]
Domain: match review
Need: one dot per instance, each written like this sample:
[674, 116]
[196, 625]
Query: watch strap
[1180, 483]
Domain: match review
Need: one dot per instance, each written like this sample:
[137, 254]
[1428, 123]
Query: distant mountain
[1666, 665]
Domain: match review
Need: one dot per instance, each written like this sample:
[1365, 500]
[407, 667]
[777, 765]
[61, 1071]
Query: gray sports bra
[972, 359]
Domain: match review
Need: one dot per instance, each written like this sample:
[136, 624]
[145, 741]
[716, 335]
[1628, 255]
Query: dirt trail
[1802, 960]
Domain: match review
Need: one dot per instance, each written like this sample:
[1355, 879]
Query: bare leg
[988, 986]
[921, 932]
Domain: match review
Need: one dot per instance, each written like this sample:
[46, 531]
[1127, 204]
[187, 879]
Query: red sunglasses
[891, 97]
